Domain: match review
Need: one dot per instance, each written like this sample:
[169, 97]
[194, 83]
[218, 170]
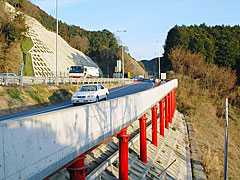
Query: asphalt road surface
[113, 93]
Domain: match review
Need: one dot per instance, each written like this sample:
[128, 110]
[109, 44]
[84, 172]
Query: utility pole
[226, 140]
[57, 43]
[159, 62]
[122, 53]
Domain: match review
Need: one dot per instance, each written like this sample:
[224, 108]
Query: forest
[219, 45]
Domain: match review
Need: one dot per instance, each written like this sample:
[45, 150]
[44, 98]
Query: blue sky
[146, 21]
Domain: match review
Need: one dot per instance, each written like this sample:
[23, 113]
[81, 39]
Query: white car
[90, 93]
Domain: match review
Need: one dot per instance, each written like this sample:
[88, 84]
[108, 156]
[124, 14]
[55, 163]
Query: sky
[147, 22]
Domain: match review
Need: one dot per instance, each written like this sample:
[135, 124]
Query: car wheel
[97, 99]
[106, 97]
[75, 104]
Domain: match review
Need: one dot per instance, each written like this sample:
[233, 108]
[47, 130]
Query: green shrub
[14, 93]
[27, 44]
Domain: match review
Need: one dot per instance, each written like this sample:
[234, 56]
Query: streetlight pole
[122, 54]
[159, 65]
[57, 43]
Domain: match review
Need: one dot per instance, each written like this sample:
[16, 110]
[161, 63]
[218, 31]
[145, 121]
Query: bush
[200, 95]
[27, 44]
[220, 81]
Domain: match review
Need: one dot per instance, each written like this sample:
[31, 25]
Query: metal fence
[30, 80]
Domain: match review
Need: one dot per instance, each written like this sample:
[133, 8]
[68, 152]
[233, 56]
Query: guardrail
[34, 147]
[6, 80]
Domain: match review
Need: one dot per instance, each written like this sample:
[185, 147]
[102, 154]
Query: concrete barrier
[36, 146]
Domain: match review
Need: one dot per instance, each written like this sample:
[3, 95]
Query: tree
[3, 18]
[80, 43]
[63, 32]
[218, 44]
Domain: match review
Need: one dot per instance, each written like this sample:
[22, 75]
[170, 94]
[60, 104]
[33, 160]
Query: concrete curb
[198, 171]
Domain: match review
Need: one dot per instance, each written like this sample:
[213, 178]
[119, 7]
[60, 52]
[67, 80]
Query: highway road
[113, 93]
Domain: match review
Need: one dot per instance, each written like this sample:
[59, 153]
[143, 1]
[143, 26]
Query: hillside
[132, 66]
[41, 52]
[101, 46]
[11, 36]
[200, 96]
[218, 44]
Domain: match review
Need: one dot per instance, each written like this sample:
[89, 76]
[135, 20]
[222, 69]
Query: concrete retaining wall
[36, 146]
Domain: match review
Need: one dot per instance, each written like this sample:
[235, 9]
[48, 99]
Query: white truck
[83, 71]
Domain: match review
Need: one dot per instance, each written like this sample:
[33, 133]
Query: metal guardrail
[30, 80]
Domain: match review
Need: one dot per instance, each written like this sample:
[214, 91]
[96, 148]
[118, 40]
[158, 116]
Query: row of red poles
[78, 169]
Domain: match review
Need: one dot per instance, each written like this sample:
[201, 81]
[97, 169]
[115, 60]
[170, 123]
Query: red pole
[123, 154]
[143, 139]
[170, 107]
[154, 125]
[174, 102]
[167, 111]
[173, 110]
[161, 109]
[78, 169]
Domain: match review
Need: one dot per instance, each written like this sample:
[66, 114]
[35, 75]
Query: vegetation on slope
[219, 44]
[132, 66]
[200, 95]
[27, 44]
[11, 34]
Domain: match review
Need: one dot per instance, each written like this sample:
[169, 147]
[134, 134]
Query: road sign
[163, 76]
[119, 65]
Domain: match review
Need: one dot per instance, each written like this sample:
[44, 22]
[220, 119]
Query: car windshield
[76, 69]
[88, 88]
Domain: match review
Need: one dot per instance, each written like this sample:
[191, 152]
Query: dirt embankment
[15, 99]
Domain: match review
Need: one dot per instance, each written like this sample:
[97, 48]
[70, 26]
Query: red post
[167, 111]
[174, 102]
[161, 111]
[123, 154]
[170, 107]
[173, 110]
[154, 125]
[143, 139]
[78, 169]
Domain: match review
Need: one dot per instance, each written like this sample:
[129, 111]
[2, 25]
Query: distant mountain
[152, 66]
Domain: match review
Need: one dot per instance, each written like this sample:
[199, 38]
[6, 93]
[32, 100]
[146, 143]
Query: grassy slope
[209, 128]
[27, 44]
